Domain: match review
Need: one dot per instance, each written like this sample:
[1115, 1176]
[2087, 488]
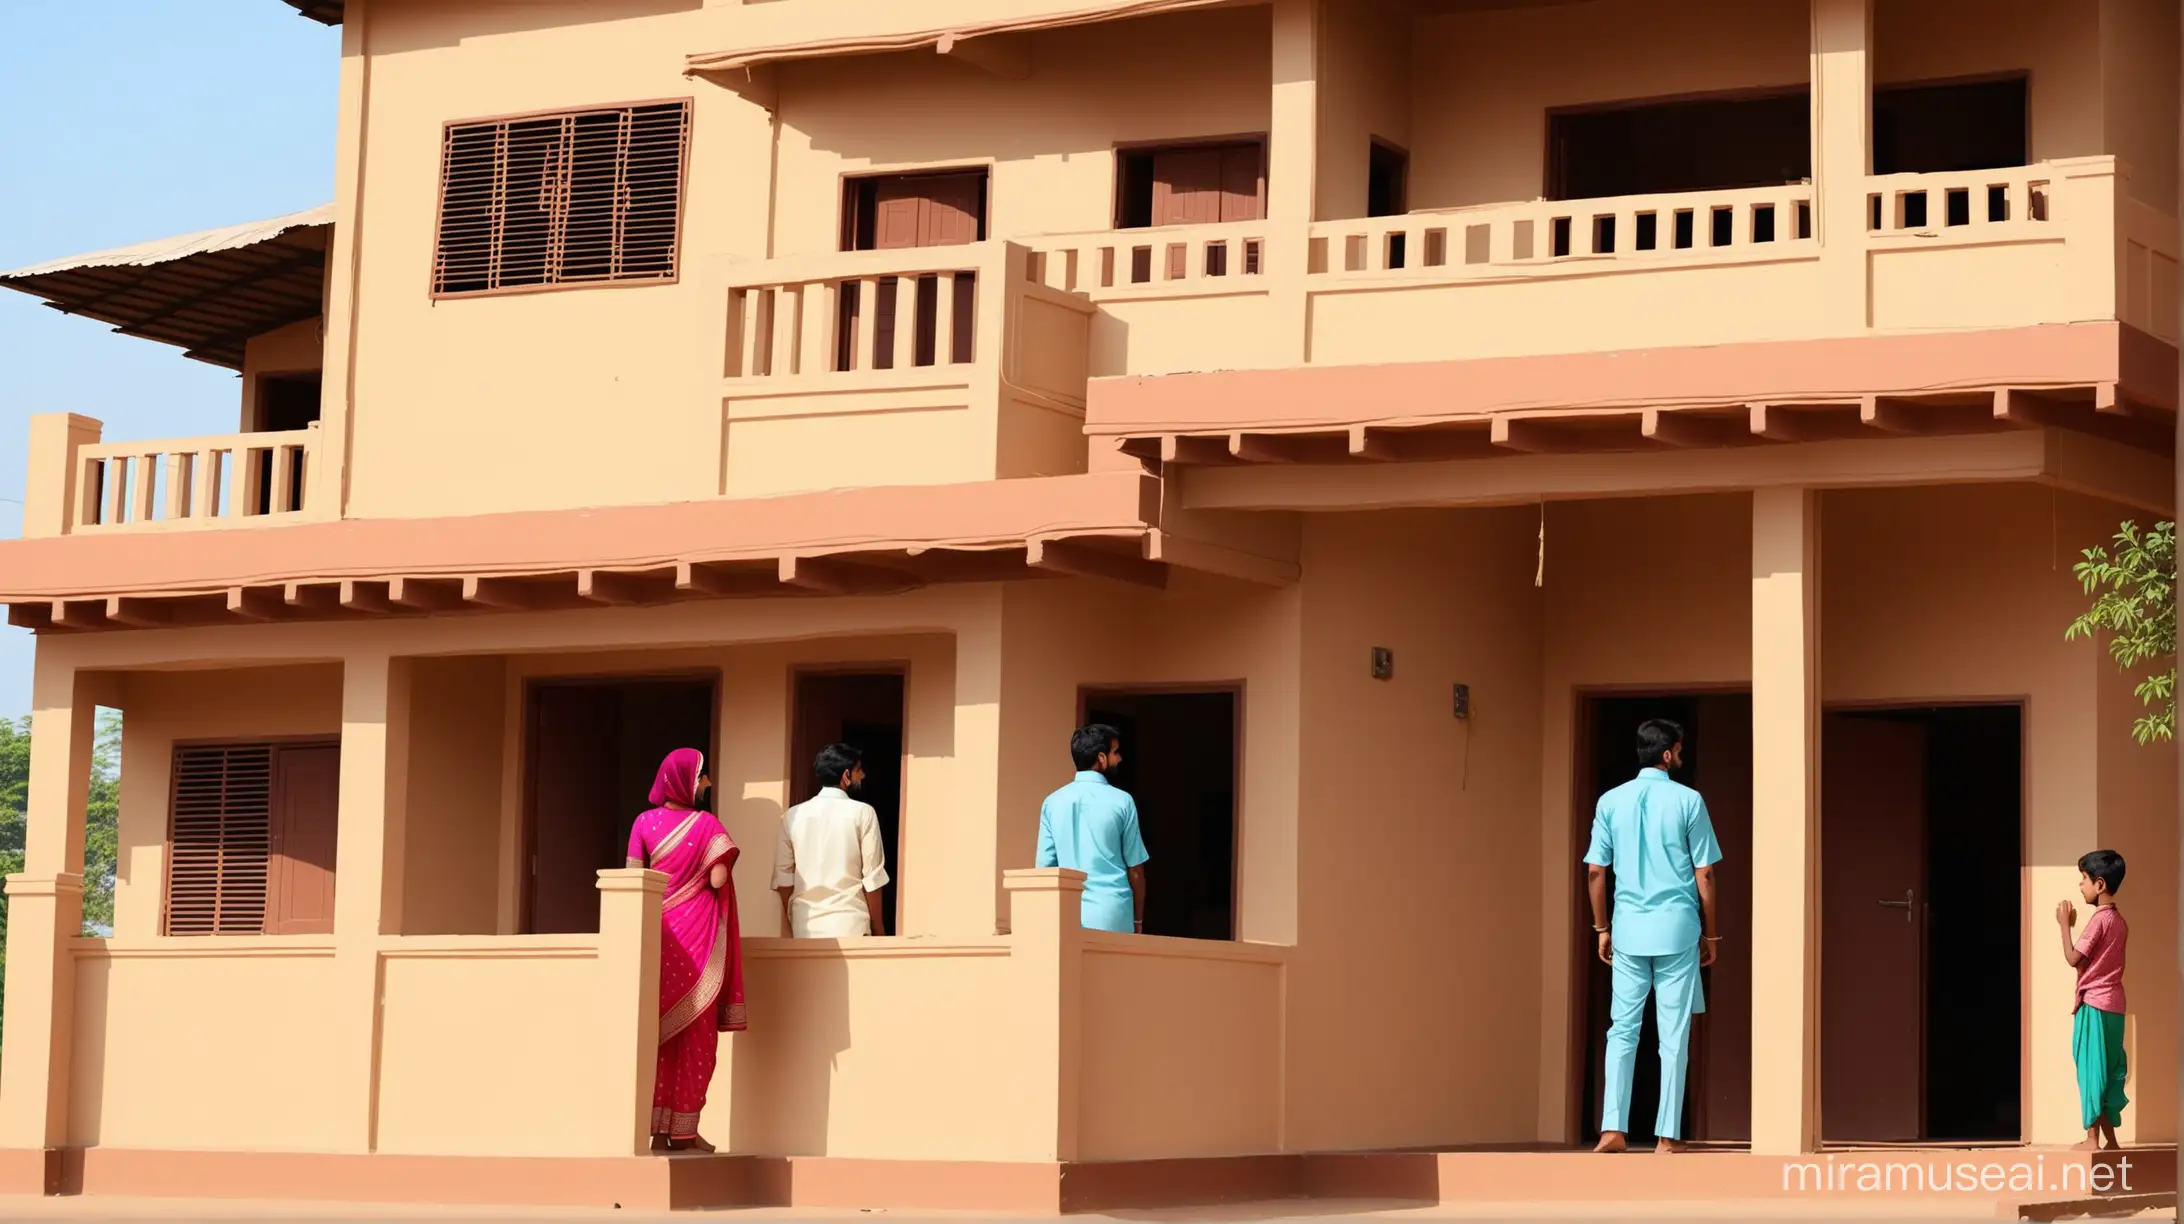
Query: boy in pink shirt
[2097, 1034]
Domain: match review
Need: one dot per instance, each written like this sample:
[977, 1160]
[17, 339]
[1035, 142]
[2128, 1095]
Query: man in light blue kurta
[1091, 826]
[1656, 836]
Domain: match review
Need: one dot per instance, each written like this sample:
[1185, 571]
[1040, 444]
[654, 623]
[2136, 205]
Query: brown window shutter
[300, 878]
[1242, 172]
[582, 197]
[1187, 187]
[218, 840]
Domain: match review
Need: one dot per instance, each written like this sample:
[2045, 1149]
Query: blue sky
[125, 122]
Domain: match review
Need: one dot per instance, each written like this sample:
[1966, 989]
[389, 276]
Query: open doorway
[1718, 763]
[1921, 847]
[285, 402]
[865, 710]
[593, 748]
[1179, 763]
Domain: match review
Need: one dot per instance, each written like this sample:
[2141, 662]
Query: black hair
[2105, 866]
[1088, 743]
[833, 761]
[1655, 737]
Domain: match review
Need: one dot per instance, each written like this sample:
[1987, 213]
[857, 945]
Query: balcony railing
[1190, 260]
[1522, 239]
[80, 484]
[880, 367]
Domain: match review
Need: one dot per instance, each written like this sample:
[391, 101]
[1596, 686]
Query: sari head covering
[701, 946]
[676, 785]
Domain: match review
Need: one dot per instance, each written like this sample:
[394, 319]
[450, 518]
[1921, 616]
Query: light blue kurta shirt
[1091, 826]
[1655, 834]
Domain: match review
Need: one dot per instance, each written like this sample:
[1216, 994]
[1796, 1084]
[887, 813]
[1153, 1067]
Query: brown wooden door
[572, 792]
[300, 870]
[1207, 184]
[1872, 939]
[927, 210]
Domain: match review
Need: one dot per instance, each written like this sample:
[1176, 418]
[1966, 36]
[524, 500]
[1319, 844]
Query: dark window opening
[593, 750]
[866, 711]
[285, 402]
[1935, 129]
[1387, 194]
[1201, 184]
[1179, 762]
[1718, 762]
[1704, 144]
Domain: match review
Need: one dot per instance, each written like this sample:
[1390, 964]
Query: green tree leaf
[2133, 584]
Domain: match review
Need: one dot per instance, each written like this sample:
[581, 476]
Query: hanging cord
[1539, 569]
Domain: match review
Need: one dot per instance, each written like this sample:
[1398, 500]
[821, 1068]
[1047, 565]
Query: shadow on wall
[783, 1069]
[428, 27]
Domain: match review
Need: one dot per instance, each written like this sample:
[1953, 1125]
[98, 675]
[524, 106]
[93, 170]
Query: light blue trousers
[1673, 981]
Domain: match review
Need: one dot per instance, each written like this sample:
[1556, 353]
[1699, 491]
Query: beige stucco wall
[2139, 50]
[1403, 853]
[452, 852]
[196, 1047]
[1048, 139]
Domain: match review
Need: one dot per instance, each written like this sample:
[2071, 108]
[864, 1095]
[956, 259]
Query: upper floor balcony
[1088, 205]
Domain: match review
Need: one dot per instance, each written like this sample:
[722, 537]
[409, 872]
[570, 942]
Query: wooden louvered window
[581, 197]
[250, 840]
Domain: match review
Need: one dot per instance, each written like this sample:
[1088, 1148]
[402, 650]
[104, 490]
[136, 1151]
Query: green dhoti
[2096, 1040]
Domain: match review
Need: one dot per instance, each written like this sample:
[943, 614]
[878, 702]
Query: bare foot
[1669, 1147]
[696, 1143]
[1611, 1141]
[2089, 1145]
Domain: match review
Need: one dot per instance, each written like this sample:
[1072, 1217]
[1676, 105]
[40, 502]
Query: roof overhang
[327, 12]
[743, 65]
[2106, 379]
[847, 542]
[208, 292]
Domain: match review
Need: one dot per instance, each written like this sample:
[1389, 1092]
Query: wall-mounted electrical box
[1463, 701]
[1383, 663]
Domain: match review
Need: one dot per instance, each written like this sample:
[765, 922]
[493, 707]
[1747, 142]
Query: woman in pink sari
[701, 945]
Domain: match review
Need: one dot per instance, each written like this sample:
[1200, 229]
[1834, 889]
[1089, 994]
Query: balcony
[925, 366]
[80, 485]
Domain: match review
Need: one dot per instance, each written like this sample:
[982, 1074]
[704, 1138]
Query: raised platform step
[2006, 1177]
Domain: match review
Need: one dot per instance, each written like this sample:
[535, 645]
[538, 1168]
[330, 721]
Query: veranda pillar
[45, 911]
[1842, 147]
[368, 870]
[1785, 819]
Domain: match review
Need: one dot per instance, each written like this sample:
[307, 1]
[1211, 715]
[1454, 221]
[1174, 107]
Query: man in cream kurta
[830, 865]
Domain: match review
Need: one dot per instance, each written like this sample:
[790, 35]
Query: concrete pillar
[375, 701]
[1785, 820]
[1045, 915]
[45, 909]
[629, 992]
[959, 870]
[328, 491]
[1842, 146]
[1292, 174]
[53, 487]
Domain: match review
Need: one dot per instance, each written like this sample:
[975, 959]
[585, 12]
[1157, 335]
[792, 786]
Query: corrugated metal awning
[327, 11]
[942, 39]
[208, 292]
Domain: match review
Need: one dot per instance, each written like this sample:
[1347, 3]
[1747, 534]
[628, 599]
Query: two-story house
[1375, 408]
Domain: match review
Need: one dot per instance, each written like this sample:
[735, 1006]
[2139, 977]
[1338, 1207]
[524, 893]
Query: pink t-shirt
[2100, 974]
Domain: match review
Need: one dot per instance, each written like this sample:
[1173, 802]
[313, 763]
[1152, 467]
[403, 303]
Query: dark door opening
[1387, 192]
[593, 750]
[1179, 763]
[1697, 144]
[1718, 763]
[1937, 129]
[864, 710]
[1920, 851]
[285, 402]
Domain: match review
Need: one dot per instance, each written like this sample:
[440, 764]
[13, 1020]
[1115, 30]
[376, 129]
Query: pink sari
[701, 945]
